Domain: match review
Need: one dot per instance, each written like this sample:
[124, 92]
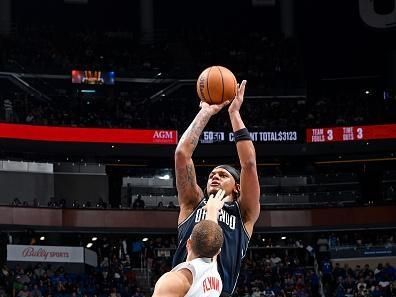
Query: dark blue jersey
[236, 241]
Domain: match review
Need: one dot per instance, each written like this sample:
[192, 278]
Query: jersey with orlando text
[235, 244]
[206, 279]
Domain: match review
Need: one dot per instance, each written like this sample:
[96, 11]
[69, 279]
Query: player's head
[225, 177]
[206, 239]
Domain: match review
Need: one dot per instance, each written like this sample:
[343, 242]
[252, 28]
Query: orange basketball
[216, 84]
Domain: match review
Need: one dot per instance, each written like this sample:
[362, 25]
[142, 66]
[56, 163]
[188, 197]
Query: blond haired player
[198, 275]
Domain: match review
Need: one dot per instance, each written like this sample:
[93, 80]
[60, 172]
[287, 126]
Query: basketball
[216, 84]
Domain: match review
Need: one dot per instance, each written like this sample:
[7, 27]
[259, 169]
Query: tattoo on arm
[185, 175]
[194, 131]
[191, 175]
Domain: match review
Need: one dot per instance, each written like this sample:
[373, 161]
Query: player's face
[220, 178]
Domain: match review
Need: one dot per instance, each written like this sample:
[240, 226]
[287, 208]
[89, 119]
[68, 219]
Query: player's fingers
[242, 88]
[220, 193]
[225, 103]
[237, 90]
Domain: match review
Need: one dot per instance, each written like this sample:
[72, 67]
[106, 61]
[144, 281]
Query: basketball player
[198, 276]
[242, 191]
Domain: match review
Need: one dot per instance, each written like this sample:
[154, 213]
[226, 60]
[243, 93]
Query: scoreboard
[351, 133]
[272, 136]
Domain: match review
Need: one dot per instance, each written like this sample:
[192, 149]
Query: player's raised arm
[189, 193]
[249, 198]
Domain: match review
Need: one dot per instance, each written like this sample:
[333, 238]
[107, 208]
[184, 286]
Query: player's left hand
[216, 201]
[235, 105]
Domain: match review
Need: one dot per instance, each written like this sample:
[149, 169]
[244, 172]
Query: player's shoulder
[173, 283]
[181, 276]
[232, 207]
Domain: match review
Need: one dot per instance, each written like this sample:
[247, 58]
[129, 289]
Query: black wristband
[242, 134]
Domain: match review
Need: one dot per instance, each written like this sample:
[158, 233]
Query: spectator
[16, 202]
[361, 285]
[114, 293]
[390, 271]
[171, 204]
[24, 292]
[268, 292]
[101, 203]
[327, 271]
[39, 271]
[17, 285]
[8, 110]
[376, 292]
[138, 293]
[139, 202]
[36, 291]
[129, 195]
[275, 260]
[339, 271]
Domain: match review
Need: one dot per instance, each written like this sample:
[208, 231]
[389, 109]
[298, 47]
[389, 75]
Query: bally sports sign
[40, 253]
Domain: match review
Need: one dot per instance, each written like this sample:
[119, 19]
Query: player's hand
[213, 108]
[216, 202]
[235, 105]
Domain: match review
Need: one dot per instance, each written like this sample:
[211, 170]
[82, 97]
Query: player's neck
[191, 256]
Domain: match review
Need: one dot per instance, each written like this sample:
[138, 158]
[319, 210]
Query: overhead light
[42, 238]
[94, 238]
[89, 244]
[283, 237]
[144, 239]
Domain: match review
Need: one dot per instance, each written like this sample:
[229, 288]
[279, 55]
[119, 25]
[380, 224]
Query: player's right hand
[213, 108]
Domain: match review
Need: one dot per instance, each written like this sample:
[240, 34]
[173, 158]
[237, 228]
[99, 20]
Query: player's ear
[237, 190]
[188, 244]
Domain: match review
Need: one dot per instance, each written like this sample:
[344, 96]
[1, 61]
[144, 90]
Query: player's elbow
[249, 164]
[181, 154]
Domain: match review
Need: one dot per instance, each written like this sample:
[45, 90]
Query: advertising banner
[87, 135]
[38, 253]
[363, 252]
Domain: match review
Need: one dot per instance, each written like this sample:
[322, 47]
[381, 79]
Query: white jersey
[206, 278]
